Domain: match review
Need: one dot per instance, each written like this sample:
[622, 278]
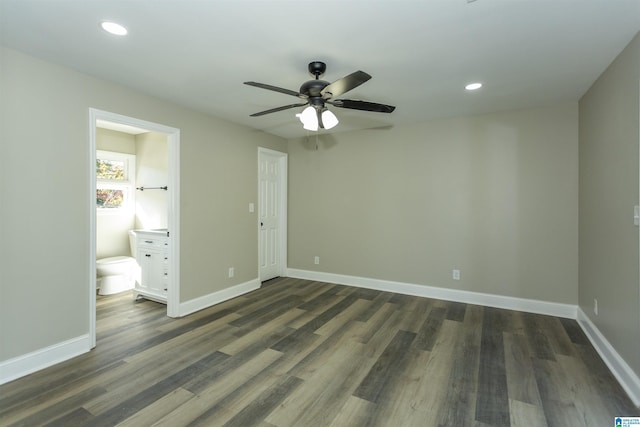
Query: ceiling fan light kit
[309, 118]
[317, 93]
[312, 118]
[329, 120]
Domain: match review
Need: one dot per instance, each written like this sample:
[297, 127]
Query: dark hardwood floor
[301, 353]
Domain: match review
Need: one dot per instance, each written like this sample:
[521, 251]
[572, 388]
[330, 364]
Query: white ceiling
[420, 53]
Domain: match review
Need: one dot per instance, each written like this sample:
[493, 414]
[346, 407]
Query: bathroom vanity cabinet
[152, 255]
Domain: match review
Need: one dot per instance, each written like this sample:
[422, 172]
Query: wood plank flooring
[302, 353]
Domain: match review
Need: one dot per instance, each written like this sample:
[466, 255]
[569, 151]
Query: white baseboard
[31, 362]
[521, 304]
[214, 298]
[627, 378]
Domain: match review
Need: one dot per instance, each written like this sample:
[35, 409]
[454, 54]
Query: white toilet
[115, 274]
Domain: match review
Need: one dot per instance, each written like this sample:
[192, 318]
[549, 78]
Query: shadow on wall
[316, 140]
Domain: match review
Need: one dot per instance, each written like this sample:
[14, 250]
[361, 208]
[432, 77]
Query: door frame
[173, 218]
[283, 160]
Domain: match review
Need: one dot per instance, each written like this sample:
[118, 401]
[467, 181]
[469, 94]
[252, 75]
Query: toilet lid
[114, 260]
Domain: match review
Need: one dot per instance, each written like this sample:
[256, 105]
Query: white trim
[173, 291]
[284, 192]
[93, 117]
[511, 303]
[627, 378]
[40, 359]
[214, 298]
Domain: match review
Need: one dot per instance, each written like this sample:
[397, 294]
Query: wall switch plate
[636, 215]
[595, 306]
[316, 260]
[232, 272]
[252, 208]
[456, 274]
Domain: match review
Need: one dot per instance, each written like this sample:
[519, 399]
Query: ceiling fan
[317, 93]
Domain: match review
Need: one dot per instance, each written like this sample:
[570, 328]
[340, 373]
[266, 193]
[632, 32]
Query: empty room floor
[303, 353]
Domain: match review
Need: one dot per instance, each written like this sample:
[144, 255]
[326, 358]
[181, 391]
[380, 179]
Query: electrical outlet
[316, 260]
[595, 306]
[232, 272]
[456, 274]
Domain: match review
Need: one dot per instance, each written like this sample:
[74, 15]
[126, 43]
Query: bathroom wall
[111, 228]
[111, 140]
[152, 170]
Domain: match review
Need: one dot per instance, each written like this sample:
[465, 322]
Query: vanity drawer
[153, 242]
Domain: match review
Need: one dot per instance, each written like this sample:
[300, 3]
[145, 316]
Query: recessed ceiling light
[113, 28]
[473, 86]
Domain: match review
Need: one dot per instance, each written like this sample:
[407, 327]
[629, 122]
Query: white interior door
[272, 179]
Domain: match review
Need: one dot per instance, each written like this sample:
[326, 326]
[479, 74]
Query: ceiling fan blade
[273, 110]
[345, 84]
[276, 89]
[362, 105]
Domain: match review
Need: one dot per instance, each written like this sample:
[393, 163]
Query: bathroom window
[111, 170]
[111, 198]
[115, 184]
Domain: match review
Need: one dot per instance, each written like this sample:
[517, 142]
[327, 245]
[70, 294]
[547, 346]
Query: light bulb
[309, 118]
[329, 119]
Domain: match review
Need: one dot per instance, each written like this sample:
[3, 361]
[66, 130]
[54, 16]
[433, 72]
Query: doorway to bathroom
[159, 194]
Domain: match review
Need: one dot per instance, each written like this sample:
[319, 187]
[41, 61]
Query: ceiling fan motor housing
[313, 88]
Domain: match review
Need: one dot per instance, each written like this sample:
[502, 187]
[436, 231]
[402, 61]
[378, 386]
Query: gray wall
[44, 182]
[609, 177]
[494, 195]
